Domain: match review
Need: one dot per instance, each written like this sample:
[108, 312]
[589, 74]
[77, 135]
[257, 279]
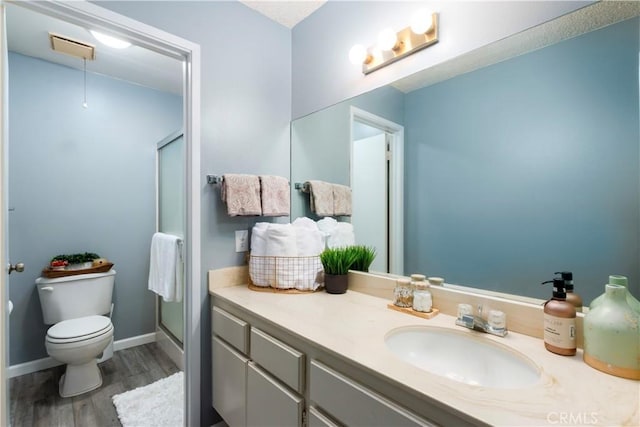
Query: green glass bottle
[612, 335]
[622, 281]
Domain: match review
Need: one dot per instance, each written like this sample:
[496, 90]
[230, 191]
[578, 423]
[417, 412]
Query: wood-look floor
[34, 398]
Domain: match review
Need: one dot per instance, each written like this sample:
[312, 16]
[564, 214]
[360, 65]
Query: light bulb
[422, 21]
[387, 39]
[377, 54]
[357, 54]
[110, 41]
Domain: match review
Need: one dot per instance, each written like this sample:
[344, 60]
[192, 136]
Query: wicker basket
[301, 273]
[54, 274]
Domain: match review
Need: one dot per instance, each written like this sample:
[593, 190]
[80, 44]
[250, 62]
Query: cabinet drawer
[352, 404]
[284, 362]
[269, 403]
[229, 382]
[318, 419]
[231, 329]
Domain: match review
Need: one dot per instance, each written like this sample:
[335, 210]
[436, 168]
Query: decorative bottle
[622, 281]
[572, 297]
[559, 321]
[612, 335]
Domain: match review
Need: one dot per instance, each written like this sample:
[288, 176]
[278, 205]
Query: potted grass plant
[336, 263]
[364, 256]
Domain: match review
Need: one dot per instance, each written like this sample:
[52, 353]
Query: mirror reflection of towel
[321, 198]
[241, 193]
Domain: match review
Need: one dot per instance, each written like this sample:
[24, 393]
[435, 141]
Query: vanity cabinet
[351, 403]
[282, 380]
[229, 348]
[269, 403]
[229, 380]
[257, 380]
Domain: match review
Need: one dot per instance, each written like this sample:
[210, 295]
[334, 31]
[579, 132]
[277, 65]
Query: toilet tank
[76, 296]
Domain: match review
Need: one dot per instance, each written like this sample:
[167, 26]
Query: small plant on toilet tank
[75, 261]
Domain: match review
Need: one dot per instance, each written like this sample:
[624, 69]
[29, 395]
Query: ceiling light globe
[422, 21]
[357, 54]
[387, 39]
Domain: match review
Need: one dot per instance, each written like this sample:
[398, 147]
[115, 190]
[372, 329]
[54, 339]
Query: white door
[370, 197]
[384, 183]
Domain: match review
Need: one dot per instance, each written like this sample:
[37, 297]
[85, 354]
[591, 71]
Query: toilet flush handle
[47, 288]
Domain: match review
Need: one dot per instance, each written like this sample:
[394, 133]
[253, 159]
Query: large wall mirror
[511, 172]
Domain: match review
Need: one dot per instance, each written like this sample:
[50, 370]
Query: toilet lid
[80, 328]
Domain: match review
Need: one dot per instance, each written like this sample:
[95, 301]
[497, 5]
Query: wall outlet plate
[242, 240]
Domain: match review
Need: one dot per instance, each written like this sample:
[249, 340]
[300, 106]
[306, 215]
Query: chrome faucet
[495, 324]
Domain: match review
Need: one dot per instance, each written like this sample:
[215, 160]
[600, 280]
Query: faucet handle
[464, 309]
[497, 319]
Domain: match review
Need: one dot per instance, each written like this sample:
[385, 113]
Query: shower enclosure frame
[169, 338]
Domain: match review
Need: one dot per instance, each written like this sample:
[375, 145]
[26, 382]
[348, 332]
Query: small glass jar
[422, 300]
[436, 281]
[403, 294]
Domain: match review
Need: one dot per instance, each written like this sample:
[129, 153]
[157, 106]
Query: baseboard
[134, 341]
[48, 362]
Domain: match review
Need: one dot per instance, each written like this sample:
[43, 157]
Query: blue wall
[246, 110]
[543, 145]
[82, 180]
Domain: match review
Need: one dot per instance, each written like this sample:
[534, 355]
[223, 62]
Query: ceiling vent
[72, 47]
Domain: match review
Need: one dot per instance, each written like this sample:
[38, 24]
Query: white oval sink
[10, 306]
[462, 357]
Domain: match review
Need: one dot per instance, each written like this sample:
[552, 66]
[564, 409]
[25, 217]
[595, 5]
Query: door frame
[86, 14]
[395, 133]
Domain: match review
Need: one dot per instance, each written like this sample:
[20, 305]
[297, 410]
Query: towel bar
[304, 187]
[214, 179]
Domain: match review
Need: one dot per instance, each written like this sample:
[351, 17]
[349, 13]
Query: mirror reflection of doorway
[376, 181]
[370, 192]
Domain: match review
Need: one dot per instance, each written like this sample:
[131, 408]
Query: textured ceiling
[287, 13]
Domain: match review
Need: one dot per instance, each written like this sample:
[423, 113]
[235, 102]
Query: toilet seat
[79, 329]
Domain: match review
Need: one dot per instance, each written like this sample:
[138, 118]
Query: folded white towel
[281, 240]
[261, 268]
[275, 195]
[166, 267]
[309, 239]
[259, 239]
[305, 222]
[341, 236]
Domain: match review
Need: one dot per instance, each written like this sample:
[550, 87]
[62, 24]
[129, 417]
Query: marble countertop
[354, 325]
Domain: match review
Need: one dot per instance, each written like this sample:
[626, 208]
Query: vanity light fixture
[392, 46]
[110, 40]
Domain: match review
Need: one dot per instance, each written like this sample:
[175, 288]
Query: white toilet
[75, 306]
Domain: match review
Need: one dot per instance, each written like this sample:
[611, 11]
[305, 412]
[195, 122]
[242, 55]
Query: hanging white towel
[165, 267]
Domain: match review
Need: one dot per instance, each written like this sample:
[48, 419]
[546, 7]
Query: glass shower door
[171, 218]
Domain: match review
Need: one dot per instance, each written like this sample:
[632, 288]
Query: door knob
[19, 267]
